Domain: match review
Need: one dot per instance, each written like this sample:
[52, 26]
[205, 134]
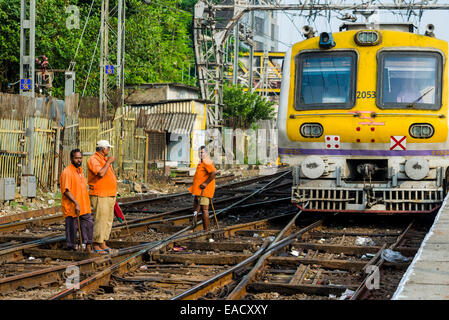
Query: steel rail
[105, 275]
[35, 278]
[222, 278]
[12, 251]
[157, 245]
[219, 187]
[85, 265]
[31, 215]
[258, 191]
[7, 227]
[225, 277]
[363, 288]
[240, 290]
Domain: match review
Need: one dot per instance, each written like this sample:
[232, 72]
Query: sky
[290, 23]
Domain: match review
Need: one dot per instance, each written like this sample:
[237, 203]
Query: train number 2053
[366, 94]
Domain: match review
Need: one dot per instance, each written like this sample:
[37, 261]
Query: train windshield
[325, 80]
[410, 80]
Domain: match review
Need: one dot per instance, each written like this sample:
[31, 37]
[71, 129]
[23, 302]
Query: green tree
[242, 109]
[158, 44]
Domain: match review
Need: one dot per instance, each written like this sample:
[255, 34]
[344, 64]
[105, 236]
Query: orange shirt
[73, 180]
[203, 170]
[101, 187]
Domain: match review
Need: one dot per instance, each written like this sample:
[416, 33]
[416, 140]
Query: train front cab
[365, 125]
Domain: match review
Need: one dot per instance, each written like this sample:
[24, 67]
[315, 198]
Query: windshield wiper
[413, 104]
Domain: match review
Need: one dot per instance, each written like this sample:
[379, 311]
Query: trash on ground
[347, 294]
[144, 267]
[362, 241]
[294, 253]
[255, 235]
[176, 248]
[211, 240]
[368, 256]
[31, 258]
[393, 256]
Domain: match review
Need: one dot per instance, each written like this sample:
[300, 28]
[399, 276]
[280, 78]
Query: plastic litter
[31, 258]
[176, 248]
[393, 256]
[255, 235]
[211, 240]
[332, 296]
[294, 253]
[368, 256]
[347, 294]
[362, 241]
[144, 267]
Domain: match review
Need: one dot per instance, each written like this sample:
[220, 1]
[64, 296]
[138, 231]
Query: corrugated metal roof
[180, 122]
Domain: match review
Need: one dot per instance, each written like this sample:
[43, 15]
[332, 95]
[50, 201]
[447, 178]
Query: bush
[243, 108]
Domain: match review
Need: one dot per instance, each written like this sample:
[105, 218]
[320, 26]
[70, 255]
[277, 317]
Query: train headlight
[312, 167]
[421, 130]
[416, 168]
[311, 130]
[367, 38]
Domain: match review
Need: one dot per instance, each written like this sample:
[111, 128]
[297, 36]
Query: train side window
[325, 80]
[409, 80]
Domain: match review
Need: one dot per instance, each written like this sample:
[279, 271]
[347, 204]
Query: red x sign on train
[398, 143]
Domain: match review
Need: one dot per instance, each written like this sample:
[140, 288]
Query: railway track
[264, 249]
[48, 262]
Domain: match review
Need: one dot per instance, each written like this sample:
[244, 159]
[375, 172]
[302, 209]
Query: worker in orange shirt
[103, 192]
[203, 187]
[75, 203]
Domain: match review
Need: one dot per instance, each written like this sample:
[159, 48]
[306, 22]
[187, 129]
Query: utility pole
[251, 54]
[235, 72]
[27, 66]
[112, 92]
[112, 44]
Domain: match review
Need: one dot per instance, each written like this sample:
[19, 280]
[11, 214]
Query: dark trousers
[71, 229]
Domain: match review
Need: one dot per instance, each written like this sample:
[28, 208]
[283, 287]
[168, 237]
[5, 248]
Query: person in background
[103, 191]
[203, 187]
[75, 203]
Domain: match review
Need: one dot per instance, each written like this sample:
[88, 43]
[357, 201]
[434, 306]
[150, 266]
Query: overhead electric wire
[72, 63]
[91, 62]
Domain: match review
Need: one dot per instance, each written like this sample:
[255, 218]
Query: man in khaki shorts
[102, 190]
[203, 187]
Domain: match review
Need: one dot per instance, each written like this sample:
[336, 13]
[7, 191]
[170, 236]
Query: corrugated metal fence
[55, 135]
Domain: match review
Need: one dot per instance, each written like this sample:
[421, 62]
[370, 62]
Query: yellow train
[363, 120]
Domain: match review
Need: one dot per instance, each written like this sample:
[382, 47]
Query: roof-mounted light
[367, 38]
[326, 40]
